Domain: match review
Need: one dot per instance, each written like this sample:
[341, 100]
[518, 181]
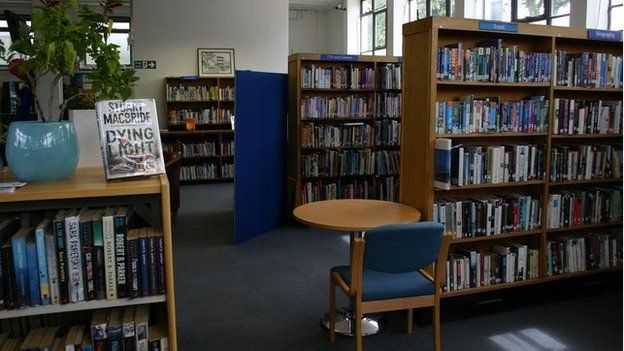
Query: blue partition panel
[260, 153]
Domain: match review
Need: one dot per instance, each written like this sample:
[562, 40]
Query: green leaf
[70, 57]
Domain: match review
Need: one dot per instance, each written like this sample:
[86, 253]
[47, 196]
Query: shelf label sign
[613, 35]
[332, 57]
[498, 26]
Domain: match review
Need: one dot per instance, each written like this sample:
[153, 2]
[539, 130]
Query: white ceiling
[313, 4]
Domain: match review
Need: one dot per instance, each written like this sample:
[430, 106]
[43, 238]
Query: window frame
[546, 16]
[373, 15]
[609, 9]
[410, 3]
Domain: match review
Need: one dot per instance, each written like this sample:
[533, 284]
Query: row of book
[206, 171]
[584, 206]
[588, 69]
[353, 106]
[461, 165]
[390, 76]
[587, 116]
[489, 61]
[79, 255]
[579, 162]
[489, 215]
[314, 77]
[330, 163]
[199, 93]
[387, 189]
[348, 135]
[490, 115]
[387, 163]
[388, 132]
[210, 115]
[201, 149]
[579, 253]
[388, 105]
[474, 268]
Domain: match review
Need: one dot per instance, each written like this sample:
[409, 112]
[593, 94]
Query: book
[8, 227]
[158, 340]
[86, 239]
[443, 163]
[129, 342]
[33, 271]
[114, 330]
[42, 259]
[152, 261]
[74, 256]
[98, 329]
[87, 344]
[47, 341]
[59, 232]
[33, 339]
[144, 257]
[129, 138]
[160, 262]
[20, 266]
[122, 217]
[99, 272]
[134, 263]
[108, 229]
[141, 322]
[10, 286]
[52, 264]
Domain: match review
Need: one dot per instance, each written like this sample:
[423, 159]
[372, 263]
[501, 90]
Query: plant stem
[55, 81]
[63, 106]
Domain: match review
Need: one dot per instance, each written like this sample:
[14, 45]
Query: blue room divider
[260, 153]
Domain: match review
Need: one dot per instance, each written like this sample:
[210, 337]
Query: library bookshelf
[207, 153]
[348, 107]
[88, 188]
[424, 88]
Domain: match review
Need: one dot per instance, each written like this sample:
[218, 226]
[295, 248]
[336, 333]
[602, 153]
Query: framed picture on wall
[215, 62]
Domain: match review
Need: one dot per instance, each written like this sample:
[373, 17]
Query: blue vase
[38, 151]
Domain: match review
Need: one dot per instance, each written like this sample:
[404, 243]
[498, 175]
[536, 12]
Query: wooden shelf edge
[491, 135]
[584, 226]
[567, 88]
[490, 185]
[81, 306]
[586, 181]
[581, 274]
[492, 84]
[585, 136]
[496, 236]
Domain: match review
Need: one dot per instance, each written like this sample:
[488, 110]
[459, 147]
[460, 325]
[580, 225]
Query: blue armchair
[386, 274]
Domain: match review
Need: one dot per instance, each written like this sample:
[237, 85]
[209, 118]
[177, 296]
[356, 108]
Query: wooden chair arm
[426, 274]
[342, 283]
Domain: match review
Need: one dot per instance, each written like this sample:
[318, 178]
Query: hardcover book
[129, 138]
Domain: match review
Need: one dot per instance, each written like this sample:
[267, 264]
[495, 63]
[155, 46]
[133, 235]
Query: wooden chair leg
[357, 320]
[410, 320]
[436, 326]
[332, 310]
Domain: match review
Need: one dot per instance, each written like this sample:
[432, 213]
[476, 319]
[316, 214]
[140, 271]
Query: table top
[354, 215]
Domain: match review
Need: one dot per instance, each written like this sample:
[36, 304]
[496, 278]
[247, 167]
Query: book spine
[86, 238]
[115, 338]
[142, 334]
[98, 261]
[3, 300]
[21, 271]
[33, 274]
[59, 232]
[74, 259]
[109, 257]
[129, 342]
[120, 255]
[153, 271]
[145, 276]
[10, 292]
[50, 243]
[42, 264]
[98, 336]
[134, 268]
[154, 345]
[160, 264]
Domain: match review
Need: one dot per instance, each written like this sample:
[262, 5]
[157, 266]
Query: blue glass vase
[38, 151]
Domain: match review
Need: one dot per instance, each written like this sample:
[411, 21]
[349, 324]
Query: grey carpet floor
[269, 293]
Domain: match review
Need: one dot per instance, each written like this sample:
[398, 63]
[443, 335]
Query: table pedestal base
[345, 324]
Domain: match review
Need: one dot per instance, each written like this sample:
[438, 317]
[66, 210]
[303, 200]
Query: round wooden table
[356, 217]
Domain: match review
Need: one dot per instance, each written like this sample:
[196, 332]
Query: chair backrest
[399, 248]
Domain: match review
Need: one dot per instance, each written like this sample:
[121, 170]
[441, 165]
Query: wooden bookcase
[422, 89]
[89, 188]
[373, 94]
[211, 109]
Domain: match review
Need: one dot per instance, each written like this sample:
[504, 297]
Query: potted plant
[63, 33]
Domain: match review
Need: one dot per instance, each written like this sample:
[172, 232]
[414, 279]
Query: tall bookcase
[344, 123]
[89, 188]
[423, 88]
[208, 152]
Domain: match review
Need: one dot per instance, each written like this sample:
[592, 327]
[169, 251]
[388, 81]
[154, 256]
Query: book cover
[42, 260]
[141, 322]
[134, 263]
[8, 227]
[59, 233]
[74, 256]
[20, 266]
[443, 164]
[108, 229]
[122, 218]
[129, 138]
[128, 328]
[86, 239]
[114, 330]
[98, 329]
[51, 261]
[33, 270]
[99, 273]
[144, 257]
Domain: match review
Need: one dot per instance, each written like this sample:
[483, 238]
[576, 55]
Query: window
[119, 37]
[419, 9]
[5, 37]
[616, 10]
[497, 10]
[373, 24]
[555, 12]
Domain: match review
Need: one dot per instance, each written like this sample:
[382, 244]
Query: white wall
[336, 31]
[171, 31]
[316, 31]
